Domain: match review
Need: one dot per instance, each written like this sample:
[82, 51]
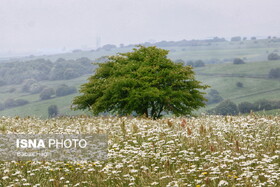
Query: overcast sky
[32, 26]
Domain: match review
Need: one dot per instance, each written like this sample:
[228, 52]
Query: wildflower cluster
[203, 151]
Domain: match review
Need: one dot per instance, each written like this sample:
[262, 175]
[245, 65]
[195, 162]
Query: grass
[204, 151]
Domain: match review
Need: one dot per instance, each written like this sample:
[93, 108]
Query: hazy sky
[32, 26]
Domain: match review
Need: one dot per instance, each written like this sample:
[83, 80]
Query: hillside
[72, 70]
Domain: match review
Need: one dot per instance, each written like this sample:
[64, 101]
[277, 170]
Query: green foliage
[41, 69]
[226, 107]
[273, 56]
[144, 82]
[274, 73]
[239, 84]
[52, 110]
[246, 107]
[47, 93]
[63, 90]
[213, 97]
[238, 61]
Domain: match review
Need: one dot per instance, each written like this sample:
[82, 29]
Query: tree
[273, 56]
[238, 61]
[213, 97]
[246, 107]
[274, 73]
[63, 90]
[52, 111]
[144, 82]
[239, 84]
[226, 107]
[47, 93]
[235, 39]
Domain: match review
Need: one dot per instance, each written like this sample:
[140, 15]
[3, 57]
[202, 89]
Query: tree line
[228, 107]
[42, 69]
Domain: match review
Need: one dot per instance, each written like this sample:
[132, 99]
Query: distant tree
[253, 38]
[69, 73]
[20, 102]
[36, 88]
[109, 47]
[47, 93]
[235, 39]
[190, 63]
[226, 107]
[239, 84]
[274, 73]
[63, 90]
[246, 107]
[199, 63]
[273, 56]
[263, 104]
[213, 97]
[27, 84]
[53, 111]
[238, 61]
[60, 60]
[144, 82]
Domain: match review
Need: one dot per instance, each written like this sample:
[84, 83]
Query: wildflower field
[202, 151]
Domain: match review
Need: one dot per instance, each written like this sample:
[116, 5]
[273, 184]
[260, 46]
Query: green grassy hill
[222, 76]
[253, 76]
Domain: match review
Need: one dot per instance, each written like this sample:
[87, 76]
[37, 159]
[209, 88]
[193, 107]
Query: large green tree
[144, 82]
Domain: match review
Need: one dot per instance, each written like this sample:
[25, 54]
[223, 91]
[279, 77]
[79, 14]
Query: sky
[49, 26]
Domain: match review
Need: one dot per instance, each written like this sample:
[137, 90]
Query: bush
[226, 107]
[239, 84]
[52, 111]
[20, 102]
[274, 73]
[47, 93]
[213, 97]
[238, 61]
[263, 104]
[63, 90]
[273, 56]
[246, 107]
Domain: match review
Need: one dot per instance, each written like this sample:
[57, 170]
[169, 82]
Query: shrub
[63, 90]
[263, 104]
[273, 56]
[246, 107]
[213, 97]
[226, 107]
[47, 93]
[52, 110]
[239, 84]
[20, 102]
[238, 61]
[274, 73]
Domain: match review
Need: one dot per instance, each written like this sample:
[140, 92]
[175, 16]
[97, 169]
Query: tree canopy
[141, 82]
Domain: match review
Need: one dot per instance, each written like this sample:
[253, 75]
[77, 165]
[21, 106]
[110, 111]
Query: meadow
[202, 151]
